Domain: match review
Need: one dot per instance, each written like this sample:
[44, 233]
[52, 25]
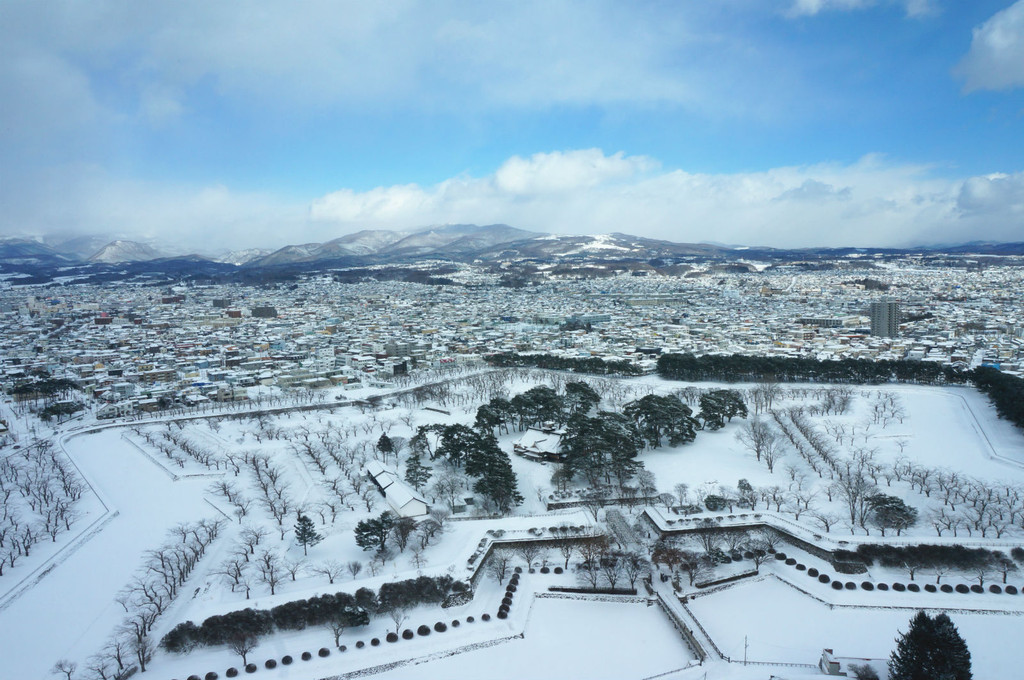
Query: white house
[402, 498]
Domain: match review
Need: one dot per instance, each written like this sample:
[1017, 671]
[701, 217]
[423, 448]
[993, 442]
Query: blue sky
[767, 122]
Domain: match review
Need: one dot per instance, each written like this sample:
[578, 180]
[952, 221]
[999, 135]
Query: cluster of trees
[38, 494]
[604, 447]
[474, 451]
[536, 406]
[375, 533]
[556, 363]
[148, 596]
[45, 389]
[714, 545]
[1005, 391]
[601, 564]
[742, 368]
[936, 560]
[337, 612]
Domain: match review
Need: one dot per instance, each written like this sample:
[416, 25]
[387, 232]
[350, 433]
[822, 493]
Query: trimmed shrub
[545, 570]
[470, 619]
[270, 663]
[440, 627]
[883, 586]
[306, 656]
[837, 585]
[824, 578]
[1010, 590]
[391, 637]
[507, 600]
[558, 570]
[231, 672]
[455, 623]
[913, 587]
[780, 556]
[423, 630]
[502, 615]
[518, 570]
[977, 589]
[503, 608]
[250, 668]
[193, 677]
[375, 642]
[323, 652]
[850, 585]
[748, 554]
[899, 587]
[286, 660]
[995, 589]
[408, 634]
[360, 644]
[812, 572]
[946, 588]
[800, 567]
[343, 649]
[485, 617]
[791, 561]
[961, 588]
[511, 588]
[212, 675]
[867, 585]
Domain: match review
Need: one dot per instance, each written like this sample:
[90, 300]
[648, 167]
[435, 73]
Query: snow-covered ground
[141, 494]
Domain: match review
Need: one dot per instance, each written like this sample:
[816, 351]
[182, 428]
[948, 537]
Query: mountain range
[454, 242]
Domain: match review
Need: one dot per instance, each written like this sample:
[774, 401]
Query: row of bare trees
[39, 491]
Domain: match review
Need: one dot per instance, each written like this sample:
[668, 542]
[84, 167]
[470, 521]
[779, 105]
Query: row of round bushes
[510, 591]
[898, 587]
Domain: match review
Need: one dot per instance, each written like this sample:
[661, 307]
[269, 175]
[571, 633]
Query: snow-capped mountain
[126, 251]
[26, 251]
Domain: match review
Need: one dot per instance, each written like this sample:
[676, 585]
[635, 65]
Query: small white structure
[540, 444]
[402, 498]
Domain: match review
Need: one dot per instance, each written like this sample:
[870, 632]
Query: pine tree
[416, 473]
[498, 483]
[385, 446]
[306, 534]
[929, 650]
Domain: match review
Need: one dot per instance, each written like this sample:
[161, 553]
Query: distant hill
[126, 251]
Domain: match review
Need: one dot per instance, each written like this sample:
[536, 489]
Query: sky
[787, 123]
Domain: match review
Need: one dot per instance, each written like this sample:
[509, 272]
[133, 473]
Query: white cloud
[871, 202]
[996, 58]
[913, 8]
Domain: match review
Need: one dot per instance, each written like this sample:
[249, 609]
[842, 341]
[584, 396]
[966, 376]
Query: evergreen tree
[498, 483]
[385, 446]
[373, 532]
[306, 534]
[580, 397]
[416, 473]
[931, 649]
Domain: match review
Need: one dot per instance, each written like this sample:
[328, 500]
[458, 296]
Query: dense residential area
[147, 348]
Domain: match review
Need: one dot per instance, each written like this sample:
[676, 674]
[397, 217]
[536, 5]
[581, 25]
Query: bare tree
[332, 569]
[243, 644]
[757, 436]
[354, 567]
[529, 552]
[499, 562]
[64, 666]
[271, 570]
[398, 617]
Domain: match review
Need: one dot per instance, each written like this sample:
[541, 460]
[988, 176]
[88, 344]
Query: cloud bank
[868, 203]
[996, 58]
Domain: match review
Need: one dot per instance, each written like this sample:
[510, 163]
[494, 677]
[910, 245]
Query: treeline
[1006, 391]
[592, 365]
[930, 557]
[340, 609]
[742, 368]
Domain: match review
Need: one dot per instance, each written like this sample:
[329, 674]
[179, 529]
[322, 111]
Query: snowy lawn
[782, 625]
[570, 639]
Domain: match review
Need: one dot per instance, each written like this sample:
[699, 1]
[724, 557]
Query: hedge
[297, 615]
